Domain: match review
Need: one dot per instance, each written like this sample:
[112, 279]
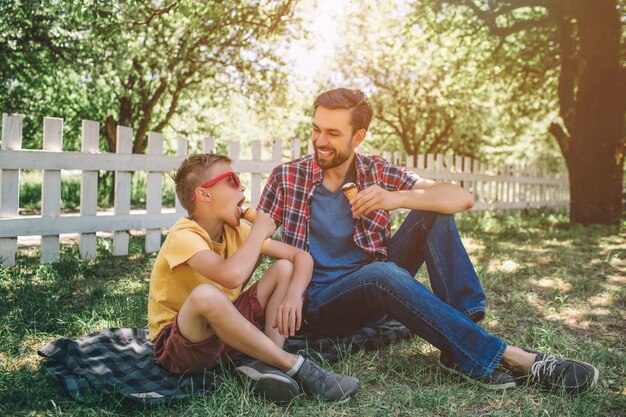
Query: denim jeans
[389, 288]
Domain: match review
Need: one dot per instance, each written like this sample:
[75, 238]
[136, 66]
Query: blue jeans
[389, 288]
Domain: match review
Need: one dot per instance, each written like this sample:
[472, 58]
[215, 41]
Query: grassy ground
[553, 287]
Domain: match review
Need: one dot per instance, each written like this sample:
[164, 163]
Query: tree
[436, 88]
[132, 63]
[421, 79]
[591, 91]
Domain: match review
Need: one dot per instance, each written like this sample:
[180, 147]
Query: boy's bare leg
[208, 311]
[271, 290]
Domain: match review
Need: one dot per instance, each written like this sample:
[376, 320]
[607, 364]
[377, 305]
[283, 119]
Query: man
[361, 274]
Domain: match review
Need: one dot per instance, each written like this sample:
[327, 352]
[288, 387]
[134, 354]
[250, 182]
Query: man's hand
[373, 198]
[289, 315]
[265, 223]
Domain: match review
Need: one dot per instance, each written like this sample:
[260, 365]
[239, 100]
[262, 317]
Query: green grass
[31, 188]
[550, 286]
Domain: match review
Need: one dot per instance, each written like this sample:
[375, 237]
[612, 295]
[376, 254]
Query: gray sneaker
[332, 387]
[270, 382]
[496, 381]
[558, 374]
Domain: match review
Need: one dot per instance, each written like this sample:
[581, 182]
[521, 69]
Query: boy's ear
[202, 194]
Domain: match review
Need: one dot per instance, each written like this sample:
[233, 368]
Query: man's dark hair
[353, 100]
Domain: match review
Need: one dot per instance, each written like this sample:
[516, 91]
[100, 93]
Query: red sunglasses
[233, 180]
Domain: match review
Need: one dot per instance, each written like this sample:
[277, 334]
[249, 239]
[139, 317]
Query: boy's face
[226, 198]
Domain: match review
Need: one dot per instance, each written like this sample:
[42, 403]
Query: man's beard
[338, 159]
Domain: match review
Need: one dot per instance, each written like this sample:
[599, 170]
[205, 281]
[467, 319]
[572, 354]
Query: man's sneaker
[270, 382]
[330, 386]
[558, 374]
[496, 381]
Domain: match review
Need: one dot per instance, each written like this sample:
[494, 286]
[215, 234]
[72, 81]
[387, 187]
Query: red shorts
[177, 354]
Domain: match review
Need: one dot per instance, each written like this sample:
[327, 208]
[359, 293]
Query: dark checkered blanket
[121, 362]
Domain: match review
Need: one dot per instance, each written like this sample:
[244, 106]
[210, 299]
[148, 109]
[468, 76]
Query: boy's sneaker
[558, 374]
[496, 381]
[270, 382]
[332, 387]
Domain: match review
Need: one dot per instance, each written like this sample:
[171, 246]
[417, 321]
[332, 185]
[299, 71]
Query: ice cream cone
[249, 214]
[350, 190]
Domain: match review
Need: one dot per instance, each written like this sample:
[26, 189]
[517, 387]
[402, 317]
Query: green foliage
[440, 82]
[132, 63]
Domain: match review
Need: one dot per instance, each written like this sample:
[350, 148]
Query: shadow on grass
[572, 277]
[72, 296]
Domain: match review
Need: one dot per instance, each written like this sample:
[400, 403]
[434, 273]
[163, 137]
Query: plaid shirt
[289, 189]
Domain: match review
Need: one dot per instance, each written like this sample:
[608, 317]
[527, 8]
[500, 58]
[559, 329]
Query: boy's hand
[265, 223]
[289, 315]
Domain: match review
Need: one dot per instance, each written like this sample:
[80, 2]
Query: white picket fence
[493, 188]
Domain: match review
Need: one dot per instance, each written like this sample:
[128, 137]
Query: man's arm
[289, 314]
[425, 195]
[272, 197]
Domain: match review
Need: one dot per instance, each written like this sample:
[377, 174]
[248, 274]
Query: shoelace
[317, 374]
[546, 366]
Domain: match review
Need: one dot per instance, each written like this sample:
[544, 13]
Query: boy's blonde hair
[192, 173]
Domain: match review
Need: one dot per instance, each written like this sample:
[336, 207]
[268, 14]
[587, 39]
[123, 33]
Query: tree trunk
[595, 160]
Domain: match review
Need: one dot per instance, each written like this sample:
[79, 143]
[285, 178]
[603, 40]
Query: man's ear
[358, 137]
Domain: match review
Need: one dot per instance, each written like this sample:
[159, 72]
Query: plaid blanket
[121, 362]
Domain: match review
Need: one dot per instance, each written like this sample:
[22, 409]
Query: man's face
[333, 139]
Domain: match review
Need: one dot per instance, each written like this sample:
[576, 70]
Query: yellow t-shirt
[172, 280]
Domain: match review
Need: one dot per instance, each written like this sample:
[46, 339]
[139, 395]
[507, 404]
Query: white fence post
[208, 145]
[255, 180]
[295, 149]
[277, 151]
[51, 188]
[154, 193]
[89, 188]
[10, 183]
[124, 145]
[181, 151]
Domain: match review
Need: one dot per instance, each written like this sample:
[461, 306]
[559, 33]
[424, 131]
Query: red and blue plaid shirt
[289, 189]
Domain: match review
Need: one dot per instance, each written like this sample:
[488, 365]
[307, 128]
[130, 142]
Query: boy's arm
[233, 272]
[289, 314]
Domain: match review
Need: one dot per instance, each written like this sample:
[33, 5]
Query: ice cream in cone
[249, 214]
[350, 190]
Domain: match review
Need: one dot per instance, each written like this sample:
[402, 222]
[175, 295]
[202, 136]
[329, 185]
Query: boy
[197, 313]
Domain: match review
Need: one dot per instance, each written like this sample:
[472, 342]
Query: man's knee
[423, 217]
[389, 276]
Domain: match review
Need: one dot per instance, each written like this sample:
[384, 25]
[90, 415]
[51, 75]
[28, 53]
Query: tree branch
[489, 17]
[441, 137]
[153, 12]
[381, 116]
[567, 79]
[170, 111]
[148, 109]
[562, 138]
